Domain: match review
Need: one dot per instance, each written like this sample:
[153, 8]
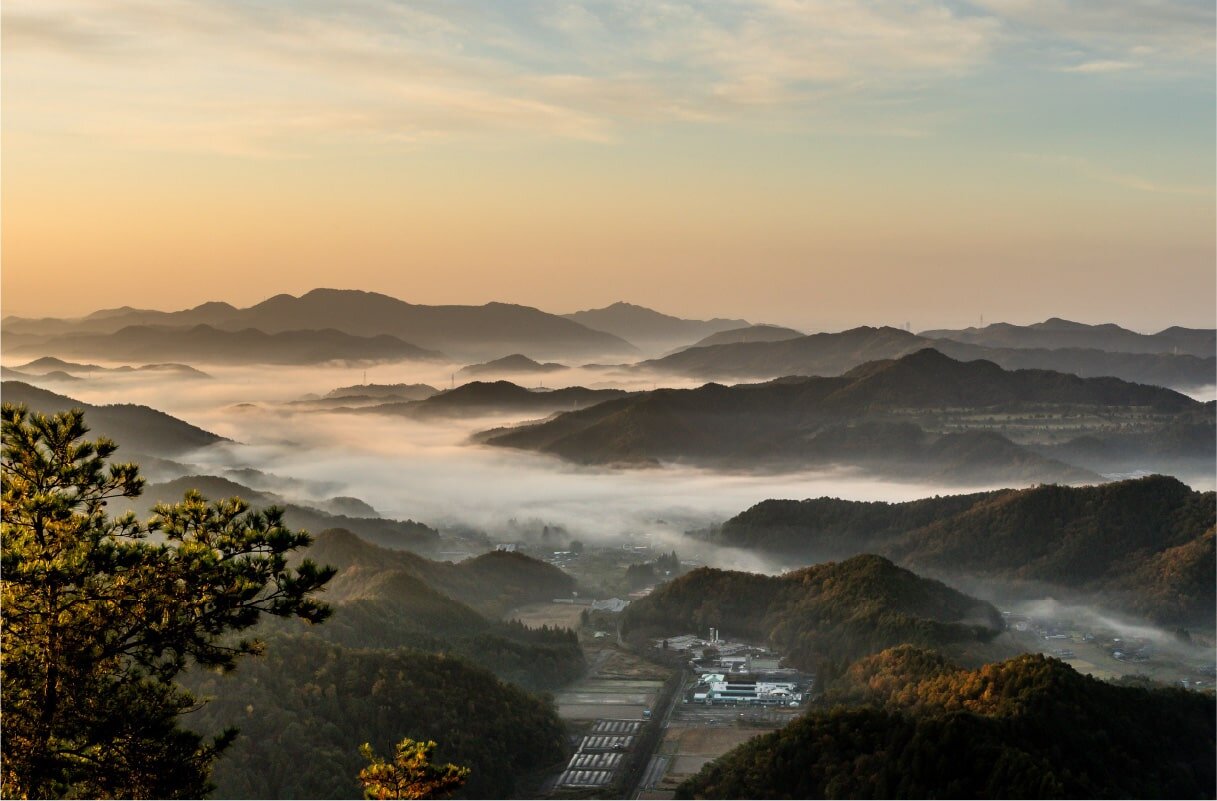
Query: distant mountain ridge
[830, 354]
[49, 365]
[487, 397]
[648, 328]
[879, 415]
[207, 344]
[454, 330]
[515, 363]
[1056, 333]
[752, 333]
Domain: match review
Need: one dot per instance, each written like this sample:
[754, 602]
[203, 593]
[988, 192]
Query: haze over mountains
[421, 642]
[353, 326]
[649, 329]
[922, 412]
[1056, 333]
[835, 353]
[488, 397]
[391, 324]
[1145, 545]
[516, 363]
[140, 429]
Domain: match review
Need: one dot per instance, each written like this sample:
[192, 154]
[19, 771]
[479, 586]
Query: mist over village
[584, 400]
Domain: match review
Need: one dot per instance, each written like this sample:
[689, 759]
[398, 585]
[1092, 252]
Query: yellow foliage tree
[410, 774]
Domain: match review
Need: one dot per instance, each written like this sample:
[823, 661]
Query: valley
[559, 587]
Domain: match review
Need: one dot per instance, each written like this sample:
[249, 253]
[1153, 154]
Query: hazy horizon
[816, 164]
[810, 323]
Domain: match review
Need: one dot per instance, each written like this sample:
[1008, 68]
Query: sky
[816, 163]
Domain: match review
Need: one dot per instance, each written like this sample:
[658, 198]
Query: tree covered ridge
[1096, 538]
[823, 616]
[387, 598]
[98, 621]
[1029, 727]
[306, 705]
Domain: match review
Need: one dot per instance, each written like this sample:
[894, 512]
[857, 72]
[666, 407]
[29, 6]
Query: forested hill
[1146, 544]
[923, 414]
[304, 707]
[1030, 727]
[392, 599]
[139, 429]
[486, 397]
[493, 582]
[392, 533]
[821, 617]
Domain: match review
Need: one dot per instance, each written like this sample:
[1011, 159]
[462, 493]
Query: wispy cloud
[1101, 66]
[189, 73]
[258, 78]
[1097, 172]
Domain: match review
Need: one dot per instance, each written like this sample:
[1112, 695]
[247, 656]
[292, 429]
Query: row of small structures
[601, 754]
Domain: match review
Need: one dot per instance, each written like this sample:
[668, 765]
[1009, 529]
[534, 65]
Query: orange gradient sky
[818, 164]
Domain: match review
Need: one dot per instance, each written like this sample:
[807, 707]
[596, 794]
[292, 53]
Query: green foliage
[822, 617]
[1145, 543]
[305, 705]
[1030, 727]
[391, 599]
[411, 774]
[98, 620]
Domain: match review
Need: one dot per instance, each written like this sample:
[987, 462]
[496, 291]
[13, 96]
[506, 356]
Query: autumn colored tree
[411, 773]
[100, 615]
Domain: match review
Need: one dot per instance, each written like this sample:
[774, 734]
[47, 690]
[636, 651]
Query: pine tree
[410, 774]
[99, 617]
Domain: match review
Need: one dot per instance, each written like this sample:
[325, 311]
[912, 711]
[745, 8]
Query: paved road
[658, 765]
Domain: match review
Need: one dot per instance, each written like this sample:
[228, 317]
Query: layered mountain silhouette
[138, 429]
[365, 395]
[1144, 545]
[648, 329]
[514, 364]
[752, 333]
[836, 353]
[1056, 333]
[924, 414]
[207, 344]
[459, 331]
[388, 391]
[491, 397]
[50, 366]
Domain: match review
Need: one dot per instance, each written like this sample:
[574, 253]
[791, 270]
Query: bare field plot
[574, 711]
[547, 614]
[690, 748]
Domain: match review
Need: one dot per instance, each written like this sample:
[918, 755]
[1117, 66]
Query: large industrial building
[719, 688]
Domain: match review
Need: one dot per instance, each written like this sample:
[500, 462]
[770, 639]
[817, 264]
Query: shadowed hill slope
[1145, 544]
[1030, 727]
[139, 429]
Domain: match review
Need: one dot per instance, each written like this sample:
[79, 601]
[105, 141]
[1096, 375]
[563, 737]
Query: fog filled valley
[621, 554]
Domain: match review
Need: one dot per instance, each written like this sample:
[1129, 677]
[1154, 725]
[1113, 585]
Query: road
[657, 765]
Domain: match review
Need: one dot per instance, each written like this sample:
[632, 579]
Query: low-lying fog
[430, 472]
